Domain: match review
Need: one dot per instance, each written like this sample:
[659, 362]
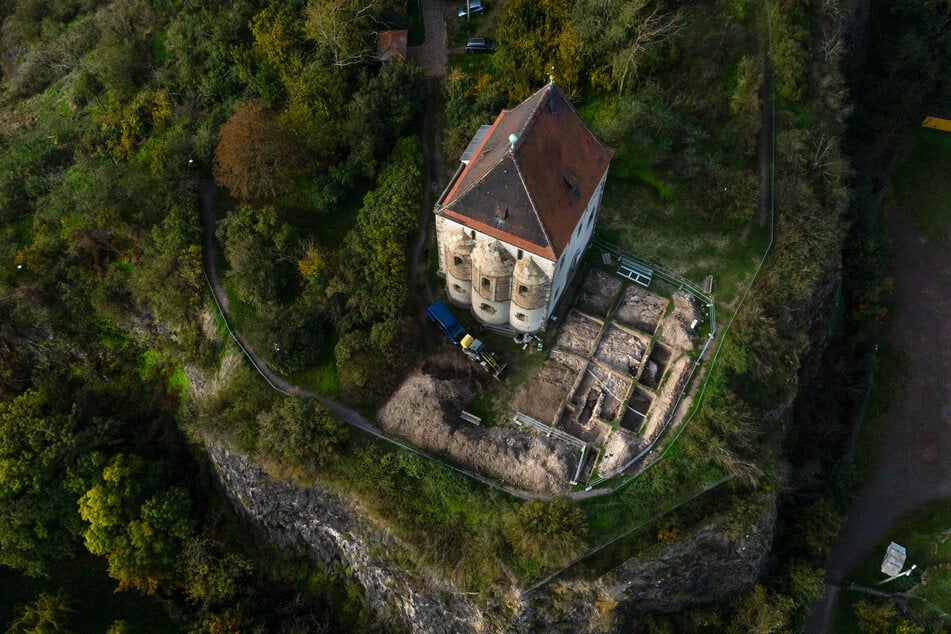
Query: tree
[259, 249]
[619, 34]
[255, 159]
[138, 524]
[875, 618]
[44, 456]
[341, 28]
[760, 612]
[48, 613]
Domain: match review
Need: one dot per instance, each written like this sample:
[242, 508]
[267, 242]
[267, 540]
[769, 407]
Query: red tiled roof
[391, 43]
[531, 196]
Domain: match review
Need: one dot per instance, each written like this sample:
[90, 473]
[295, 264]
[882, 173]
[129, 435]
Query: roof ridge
[481, 150]
[531, 201]
[476, 182]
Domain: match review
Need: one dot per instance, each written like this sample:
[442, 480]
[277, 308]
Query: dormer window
[456, 260]
[571, 183]
[522, 290]
[486, 283]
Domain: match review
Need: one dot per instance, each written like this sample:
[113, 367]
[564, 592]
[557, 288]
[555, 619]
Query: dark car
[475, 8]
[480, 45]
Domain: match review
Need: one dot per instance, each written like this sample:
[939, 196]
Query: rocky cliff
[334, 531]
[711, 562]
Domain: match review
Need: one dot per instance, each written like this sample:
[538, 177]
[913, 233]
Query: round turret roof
[491, 258]
[459, 242]
[528, 272]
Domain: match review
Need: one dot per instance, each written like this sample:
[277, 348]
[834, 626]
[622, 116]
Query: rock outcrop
[335, 532]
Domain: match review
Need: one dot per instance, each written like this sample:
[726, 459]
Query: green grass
[91, 595]
[238, 310]
[924, 535]
[321, 378]
[637, 218]
[920, 183]
[178, 382]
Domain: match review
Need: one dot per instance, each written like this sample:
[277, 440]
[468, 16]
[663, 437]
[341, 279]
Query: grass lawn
[921, 185]
[639, 217]
[926, 534]
[322, 377]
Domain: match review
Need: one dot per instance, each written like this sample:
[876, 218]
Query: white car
[475, 8]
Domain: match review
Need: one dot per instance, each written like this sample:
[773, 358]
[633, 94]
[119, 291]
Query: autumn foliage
[255, 159]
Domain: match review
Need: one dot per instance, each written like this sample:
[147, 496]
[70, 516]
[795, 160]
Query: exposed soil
[675, 327]
[425, 411]
[622, 349]
[597, 293]
[641, 309]
[542, 396]
[621, 447]
[614, 385]
[579, 334]
[662, 405]
[591, 431]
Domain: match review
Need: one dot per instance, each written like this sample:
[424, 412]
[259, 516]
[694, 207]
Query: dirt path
[915, 466]
[431, 56]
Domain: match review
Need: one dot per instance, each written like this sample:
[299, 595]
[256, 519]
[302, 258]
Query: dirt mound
[425, 411]
[621, 447]
[679, 372]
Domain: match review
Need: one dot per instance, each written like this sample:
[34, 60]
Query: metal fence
[677, 280]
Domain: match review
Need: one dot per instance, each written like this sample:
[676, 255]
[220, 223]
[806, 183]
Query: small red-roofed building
[390, 44]
[513, 224]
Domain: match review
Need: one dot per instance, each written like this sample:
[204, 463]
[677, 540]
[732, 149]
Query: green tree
[259, 248]
[47, 614]
[45, 458]
[875, 618]
[342, 29]
[138, 525]
[760, 612]
[619, 34]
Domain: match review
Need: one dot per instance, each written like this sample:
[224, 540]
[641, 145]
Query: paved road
[915, 466]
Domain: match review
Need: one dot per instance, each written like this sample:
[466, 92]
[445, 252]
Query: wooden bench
[637, 273]
[470, 418]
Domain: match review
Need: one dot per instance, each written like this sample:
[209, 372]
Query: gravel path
[431, 55]
[915, 466]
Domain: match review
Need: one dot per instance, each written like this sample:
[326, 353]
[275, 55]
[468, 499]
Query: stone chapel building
[513, 223]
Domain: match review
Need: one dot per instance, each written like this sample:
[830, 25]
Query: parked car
[475, 8]
[480, 45]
